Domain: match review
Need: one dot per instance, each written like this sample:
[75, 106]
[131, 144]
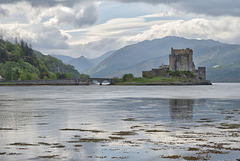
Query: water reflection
[181, 109]
[90, 124]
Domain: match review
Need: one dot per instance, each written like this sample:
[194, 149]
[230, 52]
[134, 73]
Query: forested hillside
[20, 62]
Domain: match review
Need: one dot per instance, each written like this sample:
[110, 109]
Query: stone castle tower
[181, 60]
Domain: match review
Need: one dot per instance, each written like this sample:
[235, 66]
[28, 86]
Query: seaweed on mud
[193, 149]
[97, 157]
[3, 153]
[157, 131]
[186, 136]
[228, 126]
[77, 146]
[49, 156]
[216, 151]
[83, 130]
[43, 143]
[129, 119]
[6, 129]
[14, 153]
[37, 116]
[155, 149]
[200, 139]
[42, 123]
[57, 145]
[199, 157]
[123, 157]
[22, 148]
[134, 127]
[23, 144]
[94, 140]
[115, 138]
[172, 156]
[124, 133]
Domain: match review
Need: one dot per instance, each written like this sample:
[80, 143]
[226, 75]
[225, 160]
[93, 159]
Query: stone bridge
[91, 80]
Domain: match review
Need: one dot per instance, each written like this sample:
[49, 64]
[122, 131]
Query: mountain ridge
[150, 54]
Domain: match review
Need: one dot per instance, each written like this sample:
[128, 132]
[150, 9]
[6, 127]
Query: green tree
[63, 76]
[52, 76]
[9, 46]
[84, 76]
[8, 71]
[3, 55]
[127, 77]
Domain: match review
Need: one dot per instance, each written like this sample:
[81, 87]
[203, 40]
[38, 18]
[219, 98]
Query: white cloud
[223, 29]
[64, 24]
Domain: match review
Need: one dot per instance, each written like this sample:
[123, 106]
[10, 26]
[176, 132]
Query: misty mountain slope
[132, 55]
[219, 55]
[81, 63]
[223, 63]
[137, 69]
[64, 58]
[99, 59]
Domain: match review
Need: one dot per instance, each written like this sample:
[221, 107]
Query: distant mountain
[151, 54]
[133, 56]
[64, 58]
[98, 60]
[82, 64]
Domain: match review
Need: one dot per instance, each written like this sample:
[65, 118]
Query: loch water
[102, 123]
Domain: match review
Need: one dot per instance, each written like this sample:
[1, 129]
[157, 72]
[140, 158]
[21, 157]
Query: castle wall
[181, 60]
[202, 72]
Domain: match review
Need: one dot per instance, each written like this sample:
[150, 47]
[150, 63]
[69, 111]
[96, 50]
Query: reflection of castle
[179, 60]
[181, 109]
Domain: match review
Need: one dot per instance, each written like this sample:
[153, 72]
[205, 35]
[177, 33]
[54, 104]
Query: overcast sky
[92, 27]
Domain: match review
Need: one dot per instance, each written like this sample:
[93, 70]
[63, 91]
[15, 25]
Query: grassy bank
[155, 80]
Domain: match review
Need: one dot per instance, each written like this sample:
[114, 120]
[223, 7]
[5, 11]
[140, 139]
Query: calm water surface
[102, 123]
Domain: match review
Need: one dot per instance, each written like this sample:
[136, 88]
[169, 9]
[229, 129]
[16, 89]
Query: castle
[179, 60]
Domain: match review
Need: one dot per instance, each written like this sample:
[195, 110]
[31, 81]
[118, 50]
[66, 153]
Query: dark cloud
[45, 3]
[207, 7]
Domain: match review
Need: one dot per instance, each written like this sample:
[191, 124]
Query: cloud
[207, 7]
[61, 13]
[45, 3]
[223, 29]
[72, 17]
[41, 37]
[96, 48]
[3, 12]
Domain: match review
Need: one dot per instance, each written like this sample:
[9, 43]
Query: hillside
[151, 54]
[55, 65]
[21, 62]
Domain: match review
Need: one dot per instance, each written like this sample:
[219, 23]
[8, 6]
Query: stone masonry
[181, 60]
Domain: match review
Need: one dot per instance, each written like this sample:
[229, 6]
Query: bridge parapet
[100, 80]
